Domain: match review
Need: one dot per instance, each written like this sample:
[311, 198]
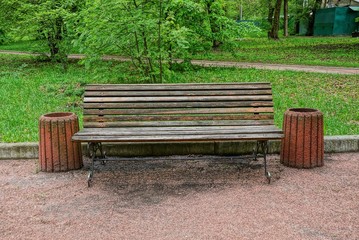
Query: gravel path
[206, 63]
[182, 199]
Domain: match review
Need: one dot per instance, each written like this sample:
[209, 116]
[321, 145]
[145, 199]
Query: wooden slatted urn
[303, 142]
[57, 151]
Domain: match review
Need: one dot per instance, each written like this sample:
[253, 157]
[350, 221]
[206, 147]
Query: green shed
[335, 21]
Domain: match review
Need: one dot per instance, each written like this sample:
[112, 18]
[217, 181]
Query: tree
[221, 27]
[275, 23]
[270, 4]
[51, 21]
[154, 32]
[285, 13]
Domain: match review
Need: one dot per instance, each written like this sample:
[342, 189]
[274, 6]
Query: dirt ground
[178, 198]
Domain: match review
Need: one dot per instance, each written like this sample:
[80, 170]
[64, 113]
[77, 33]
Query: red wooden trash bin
[57, 152]
[303, 142]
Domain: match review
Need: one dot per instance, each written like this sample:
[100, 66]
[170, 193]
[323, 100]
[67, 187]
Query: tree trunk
[159, 40]
[214, 27]
[270, 12]
[285, 12]
[276, 21]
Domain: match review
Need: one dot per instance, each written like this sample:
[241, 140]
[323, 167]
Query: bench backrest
[121, 105]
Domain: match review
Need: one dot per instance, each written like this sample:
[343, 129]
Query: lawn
[30, 88]
[26, 46]
[323, 51]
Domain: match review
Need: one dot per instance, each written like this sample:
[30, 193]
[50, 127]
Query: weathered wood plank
[178, 99]
[179, 138]
[177, 131]
[149, 105]
[183, 118]
[188, 86]
[92, 124]
[174, 133]
[177, 111]
[182, 128]
[178, 93]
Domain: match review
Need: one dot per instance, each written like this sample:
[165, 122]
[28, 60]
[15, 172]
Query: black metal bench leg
[92, 150]
[264, 146]
[103, 154]
[90, 174]
[255, 151]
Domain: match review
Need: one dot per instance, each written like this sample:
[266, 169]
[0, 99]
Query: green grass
[321, 51]
[337, 96]
[30, 89]
[26, 46]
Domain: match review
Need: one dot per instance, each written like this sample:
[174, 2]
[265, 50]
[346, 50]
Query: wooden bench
[177, 113]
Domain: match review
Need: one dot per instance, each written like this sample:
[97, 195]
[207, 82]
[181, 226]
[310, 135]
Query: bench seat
[169, 134]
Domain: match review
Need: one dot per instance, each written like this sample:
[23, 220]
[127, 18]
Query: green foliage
[128, 27]
[249, 29]
[7, 10]
[52, 22]
[251, 9]
[154, 33]
[2, 37]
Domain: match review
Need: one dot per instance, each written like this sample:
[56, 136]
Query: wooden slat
[181, 128]
[149, 105]
[183, 118]
[178, 99]
[114, 124]
[178, 93]
[179, 138]
[96, 118]
[175, 133]
[177, 111]
[144, 131]
[135, 87]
